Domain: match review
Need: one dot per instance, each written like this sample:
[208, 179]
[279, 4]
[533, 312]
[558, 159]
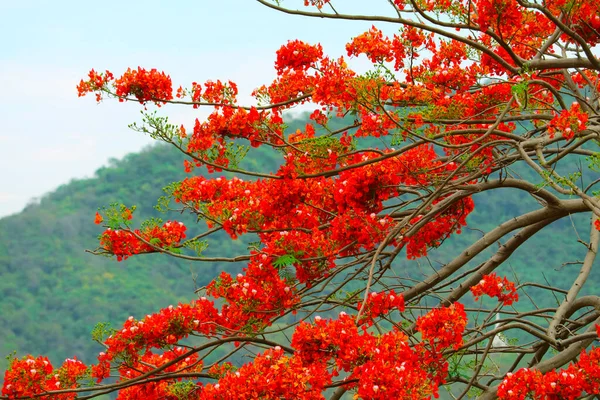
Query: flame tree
[459, 91]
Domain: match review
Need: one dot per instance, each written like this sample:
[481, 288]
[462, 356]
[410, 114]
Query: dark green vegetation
[53, 292]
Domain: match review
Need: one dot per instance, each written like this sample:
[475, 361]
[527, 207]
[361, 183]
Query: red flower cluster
[373, 45]
[494, 286]
[321, 218]
[568, 122]
[219, 92]
[443, 327]
[162, 389]
[519, 385]
[375, 125]
[271, 376]
[379, 304]
[124, 243]
[439, 228]
[317, 3]
[366, 188]
[251, 302]
[96, 83]
[144, 85]
[380, 367]
[253, 299]
[396, 371]
[226, 122]
[297, 56]
[570, 383]
[490, 13]
[216, 93]
[32, 376]
[159, 330]
[374, 362]
[581, 16]
[379, 49]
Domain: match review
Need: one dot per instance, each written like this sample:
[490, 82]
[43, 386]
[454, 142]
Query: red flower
[494, 286]
[144, 85]
[519, 385]
[443, 327]
[297, 55]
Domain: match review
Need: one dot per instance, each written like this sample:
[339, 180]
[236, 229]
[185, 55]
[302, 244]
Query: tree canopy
[459, 94]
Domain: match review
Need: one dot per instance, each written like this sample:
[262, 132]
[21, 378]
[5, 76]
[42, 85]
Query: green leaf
[174, 250]
[285, 260]
[254, 245]
[198, 246]
[155, 241]
[101, 331]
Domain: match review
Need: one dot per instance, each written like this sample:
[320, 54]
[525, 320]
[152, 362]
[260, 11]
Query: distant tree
[462, 91]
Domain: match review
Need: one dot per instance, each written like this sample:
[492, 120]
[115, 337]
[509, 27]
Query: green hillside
[53, 292]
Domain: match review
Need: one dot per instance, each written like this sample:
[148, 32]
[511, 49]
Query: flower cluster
[395, 371]
[568, 122]
[581, 17]
[298, 56]
[519, 385]
[33, 376]
[271, 376]
[379, 367]
[439, 228]
[124, 243]
[379, 304]
[379, 49]
[144, 85]
[570, 383]
[366, 188]
[217, 93]
[494, 286]
[373, 45]
[225, 122]
[443, 327]
[317, 3]
[375, 125]
[322, 218]
[180, 362]
[158, 330]
[96, 83]
[253, 299]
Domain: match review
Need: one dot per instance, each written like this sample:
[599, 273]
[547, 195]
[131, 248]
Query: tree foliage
[458, 96]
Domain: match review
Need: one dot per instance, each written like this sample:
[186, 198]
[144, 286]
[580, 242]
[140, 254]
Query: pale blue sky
[49, 136]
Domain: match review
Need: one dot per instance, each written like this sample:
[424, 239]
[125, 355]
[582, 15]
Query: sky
[49, 136]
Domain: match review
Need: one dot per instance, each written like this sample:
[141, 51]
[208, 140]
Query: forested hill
[53, 292]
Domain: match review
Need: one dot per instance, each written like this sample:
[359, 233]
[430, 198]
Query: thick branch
[584, 272]
[567, 207]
